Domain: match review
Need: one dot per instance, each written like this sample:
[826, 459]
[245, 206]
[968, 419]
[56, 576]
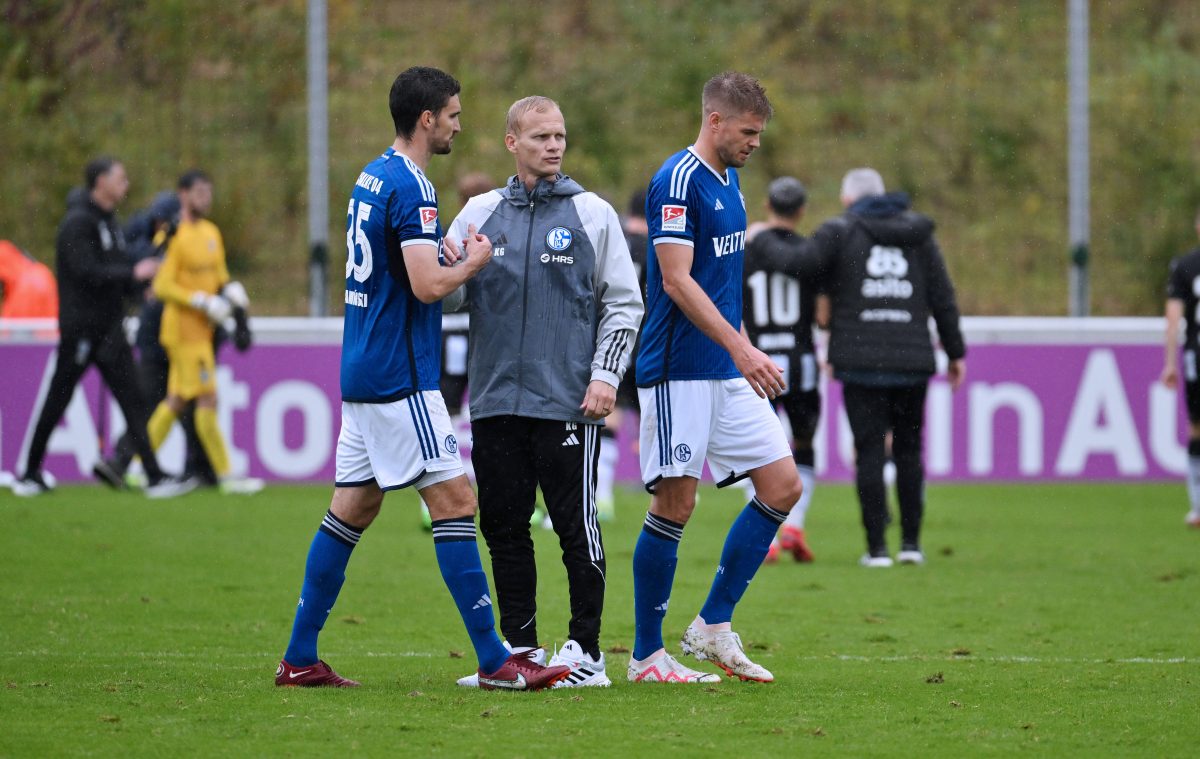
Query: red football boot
[521, 672]
[792, 539]
[317, 675]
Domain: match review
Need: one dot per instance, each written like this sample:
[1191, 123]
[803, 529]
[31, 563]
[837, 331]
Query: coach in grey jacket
[553, 322]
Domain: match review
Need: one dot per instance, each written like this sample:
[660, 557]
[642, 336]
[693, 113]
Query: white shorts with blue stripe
[723, 422]
[407, 442]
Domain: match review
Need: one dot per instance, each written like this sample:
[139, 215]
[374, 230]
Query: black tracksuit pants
[111, 355]
[872, 412]
[512, 456]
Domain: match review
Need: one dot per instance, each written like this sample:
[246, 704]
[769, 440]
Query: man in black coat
[94, 279]
[886, 277]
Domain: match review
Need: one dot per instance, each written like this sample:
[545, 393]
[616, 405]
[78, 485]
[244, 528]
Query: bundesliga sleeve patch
[674, 218]
[428, 220]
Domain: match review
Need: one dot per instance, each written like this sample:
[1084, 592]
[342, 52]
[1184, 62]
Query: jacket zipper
[524, 309]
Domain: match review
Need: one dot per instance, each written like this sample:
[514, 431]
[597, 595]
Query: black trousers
[111, 355]
[872, 412]
[513, 456]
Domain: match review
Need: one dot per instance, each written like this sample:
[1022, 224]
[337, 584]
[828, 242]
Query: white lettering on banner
[845, 440]
[939, 421]
[232, 396]
[314, 450]
[985, 401]
[1101, 422]
[1164, 432]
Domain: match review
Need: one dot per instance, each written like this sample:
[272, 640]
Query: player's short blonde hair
[517, 111]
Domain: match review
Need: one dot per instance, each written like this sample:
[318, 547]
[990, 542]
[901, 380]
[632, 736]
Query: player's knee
[674, 499]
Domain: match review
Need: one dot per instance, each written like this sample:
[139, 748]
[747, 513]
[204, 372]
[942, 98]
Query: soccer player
[779, 293]
[193, 284]
[395, 428]
[702, 386]
[1183, 301]
[553, 321]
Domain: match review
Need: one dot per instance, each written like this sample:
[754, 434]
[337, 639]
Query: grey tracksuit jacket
[557, 307]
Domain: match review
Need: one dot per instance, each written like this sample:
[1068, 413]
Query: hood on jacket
[889, 221]
[515, 192]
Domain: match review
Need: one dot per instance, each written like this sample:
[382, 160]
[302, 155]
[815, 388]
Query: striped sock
[323, 577]
[654, 561]
[462, 571]
[745, 548]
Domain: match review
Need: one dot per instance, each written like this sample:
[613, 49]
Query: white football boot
[661, 667]
[723, 648]
[585, 671]
[539, 657]
[875, 562]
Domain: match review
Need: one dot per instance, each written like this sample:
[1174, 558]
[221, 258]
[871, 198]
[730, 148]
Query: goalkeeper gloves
[216, 308]
[236, 294]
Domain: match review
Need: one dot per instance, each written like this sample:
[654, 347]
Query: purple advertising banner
[1043, 409]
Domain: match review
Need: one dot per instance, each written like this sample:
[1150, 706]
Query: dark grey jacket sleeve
[616, 285]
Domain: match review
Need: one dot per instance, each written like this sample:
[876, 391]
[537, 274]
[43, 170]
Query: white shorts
[407, 442]
[685, 422]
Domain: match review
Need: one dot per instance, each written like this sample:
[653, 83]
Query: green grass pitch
[1061, 620]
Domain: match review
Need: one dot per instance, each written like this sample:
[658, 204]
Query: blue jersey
[689, 203]
[391, 342]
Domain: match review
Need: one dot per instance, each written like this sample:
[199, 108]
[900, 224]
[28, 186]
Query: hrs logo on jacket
[886, 272]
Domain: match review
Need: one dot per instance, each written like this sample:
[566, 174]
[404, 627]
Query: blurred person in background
[779, 295]
[27, 286]
[886, 277]
[1183, 304]
[193, 284]
[94, 280]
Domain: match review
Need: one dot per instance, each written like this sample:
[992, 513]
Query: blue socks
[323, 577]
[654, 561]
[458, 558]
[745, 548]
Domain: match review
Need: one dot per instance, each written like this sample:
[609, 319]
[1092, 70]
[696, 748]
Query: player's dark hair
[637, 204]
[96, 168]
[416, 90]
[189, 178]
[786, 196]
[731, 93]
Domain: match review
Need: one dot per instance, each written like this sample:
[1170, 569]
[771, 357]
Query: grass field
[1061, 620]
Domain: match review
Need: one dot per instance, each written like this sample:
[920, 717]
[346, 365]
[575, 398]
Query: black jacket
[886, 277]
[94, 274]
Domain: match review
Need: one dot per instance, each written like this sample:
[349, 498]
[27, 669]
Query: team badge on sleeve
[674, 218]
[429, 219]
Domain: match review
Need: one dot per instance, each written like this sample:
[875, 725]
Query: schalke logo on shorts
[558, 238]
[683, 454]
[452, 444]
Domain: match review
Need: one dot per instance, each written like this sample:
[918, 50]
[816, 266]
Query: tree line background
[962, 104]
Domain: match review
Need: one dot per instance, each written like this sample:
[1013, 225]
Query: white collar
[722, 179]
